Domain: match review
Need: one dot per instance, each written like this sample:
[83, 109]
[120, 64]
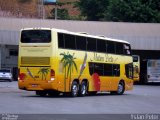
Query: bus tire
[120, 90]
[74, 89]
[41, 93]
[83, 89]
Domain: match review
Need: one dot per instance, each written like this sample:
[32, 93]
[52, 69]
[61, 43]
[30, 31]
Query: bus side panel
[75, 73]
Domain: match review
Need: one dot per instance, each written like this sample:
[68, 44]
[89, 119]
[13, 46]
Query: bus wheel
[120, 90]
[83, 89]
[74, 89]
[41, 93]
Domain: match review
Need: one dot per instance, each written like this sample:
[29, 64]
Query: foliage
[120, 10]
[133, 11]
[92, 9]
[61, 14]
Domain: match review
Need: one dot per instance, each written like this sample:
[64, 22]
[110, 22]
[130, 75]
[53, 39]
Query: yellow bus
[136, 68]
[53, 61]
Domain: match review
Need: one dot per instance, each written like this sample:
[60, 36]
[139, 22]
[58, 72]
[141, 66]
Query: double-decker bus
[53, 61]
[136, 68]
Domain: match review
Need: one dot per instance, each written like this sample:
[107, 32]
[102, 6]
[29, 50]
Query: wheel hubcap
[74, 89]
[83, 89]
[120, 88]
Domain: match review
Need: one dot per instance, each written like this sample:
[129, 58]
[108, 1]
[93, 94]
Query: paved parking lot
[143, 99]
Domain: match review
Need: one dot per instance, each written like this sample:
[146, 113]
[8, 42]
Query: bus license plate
[34, 85]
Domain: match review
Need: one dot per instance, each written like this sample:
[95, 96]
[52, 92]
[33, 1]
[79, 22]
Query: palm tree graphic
[43, 72]
[68, 65]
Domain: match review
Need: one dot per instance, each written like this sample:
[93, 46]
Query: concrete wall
[8, 60]
[0, 57]
[142, 36]
[9, 37]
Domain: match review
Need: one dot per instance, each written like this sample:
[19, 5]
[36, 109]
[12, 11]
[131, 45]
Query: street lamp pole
[43, 10]
[55, 10]
[47, 2]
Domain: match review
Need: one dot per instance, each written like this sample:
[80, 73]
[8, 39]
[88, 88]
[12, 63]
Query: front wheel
[120, 90]
[74, 89]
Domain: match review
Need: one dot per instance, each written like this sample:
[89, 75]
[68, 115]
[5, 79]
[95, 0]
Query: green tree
[133, 11]
[92, 9]
[69, 65]
[62, 14]
[120, 10]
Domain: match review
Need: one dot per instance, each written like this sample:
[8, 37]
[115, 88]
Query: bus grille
[35, 60]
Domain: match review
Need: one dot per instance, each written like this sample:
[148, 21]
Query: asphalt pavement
[143, 99]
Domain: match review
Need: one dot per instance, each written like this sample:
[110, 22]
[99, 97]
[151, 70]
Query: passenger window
[60, 40]
[110, 47]
[101, 46]
[116, 70]
[98, 68]
[104, 69]
[80, 43]
[91, 44]
[107, 69]
[119, 48]
[70, 41]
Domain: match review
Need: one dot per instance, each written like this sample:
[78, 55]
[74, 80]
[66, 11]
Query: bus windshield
[36, 36]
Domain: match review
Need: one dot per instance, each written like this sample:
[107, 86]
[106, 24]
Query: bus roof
[78, 33]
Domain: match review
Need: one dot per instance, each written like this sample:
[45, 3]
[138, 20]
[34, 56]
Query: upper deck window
[111, 47]
[101, 46]
[36, 36]
[119, 48]
[91, 44]
[69, 41]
